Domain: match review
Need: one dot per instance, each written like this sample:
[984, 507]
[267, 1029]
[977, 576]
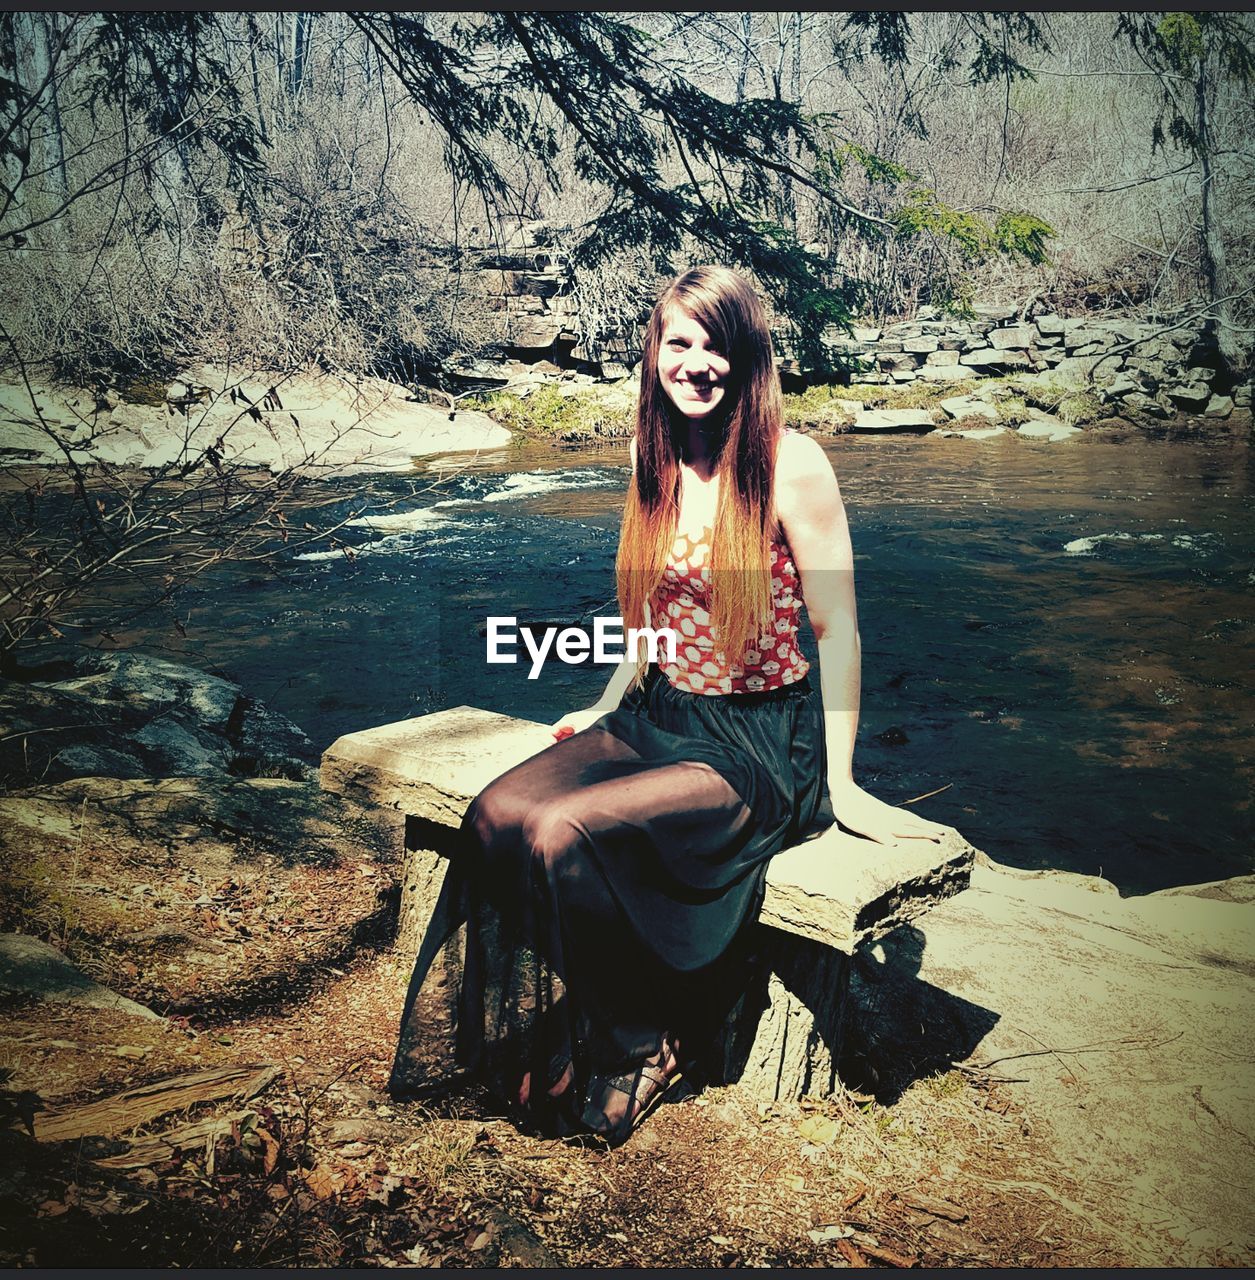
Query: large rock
[130, 715]
[537, 332]
[902, 330]
[1219, 407]
[1048, 428]
[1016, 337]
[315, 423]
[945, 372]
[834, 888]
[196, 894]
[1189, 395]
[1085, 333]
[851, 347]
[29, 966]
[896, 362]
[946, 356]
[1150, 373]
[825, 897]
[1147, 406]
[1125, 330]
[969, 406]
[976, 433]
[1124, 1024]
[1120, 385]
[1080, 371]
[539, 284]
[890, 420]
[995, 312]
[992, 358]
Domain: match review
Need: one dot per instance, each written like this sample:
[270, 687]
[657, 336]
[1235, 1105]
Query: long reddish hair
[748, 427]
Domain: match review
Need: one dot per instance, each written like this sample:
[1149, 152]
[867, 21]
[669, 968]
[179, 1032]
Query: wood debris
[119, 1114]
[162, 1146]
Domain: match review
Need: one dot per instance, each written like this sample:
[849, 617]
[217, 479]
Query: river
[1059, 635]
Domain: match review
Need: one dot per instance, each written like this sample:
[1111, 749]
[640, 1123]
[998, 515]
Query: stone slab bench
[825, 897]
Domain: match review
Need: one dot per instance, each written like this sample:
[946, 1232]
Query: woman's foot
[617, 1104]
[560, 1074]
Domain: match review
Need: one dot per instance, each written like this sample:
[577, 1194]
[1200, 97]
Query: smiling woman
[592, 934]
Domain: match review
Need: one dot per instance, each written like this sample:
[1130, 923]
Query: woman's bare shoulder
[800, 458]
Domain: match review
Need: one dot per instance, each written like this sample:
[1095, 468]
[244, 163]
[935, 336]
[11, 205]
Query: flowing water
[1059, 635]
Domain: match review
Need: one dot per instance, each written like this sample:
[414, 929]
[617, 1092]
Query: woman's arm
[810, 510]
[616, 686]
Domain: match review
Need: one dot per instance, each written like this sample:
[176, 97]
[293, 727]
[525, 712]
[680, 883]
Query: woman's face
[693, 370]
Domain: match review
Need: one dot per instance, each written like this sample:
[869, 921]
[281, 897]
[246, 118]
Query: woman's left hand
[862, 813]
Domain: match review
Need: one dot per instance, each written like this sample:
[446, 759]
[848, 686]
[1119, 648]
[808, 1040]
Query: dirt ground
[320, 1168]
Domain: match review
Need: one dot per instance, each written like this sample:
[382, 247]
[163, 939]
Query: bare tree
[1202, 62]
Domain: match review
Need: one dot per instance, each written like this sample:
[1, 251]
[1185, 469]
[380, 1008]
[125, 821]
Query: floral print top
[682, 602]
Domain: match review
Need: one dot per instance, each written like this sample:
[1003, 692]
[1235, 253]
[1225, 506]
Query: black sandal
[645, 1086]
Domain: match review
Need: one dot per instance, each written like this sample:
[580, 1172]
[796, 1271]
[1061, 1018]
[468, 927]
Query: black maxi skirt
[600, 897]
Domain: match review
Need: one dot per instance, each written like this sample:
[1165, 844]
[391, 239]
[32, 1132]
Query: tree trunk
[50, 38]
[794, 96]
[747, 35]
[281, 88]
[14, 168]
[302, 26]
[254, 40]
[1212, 257]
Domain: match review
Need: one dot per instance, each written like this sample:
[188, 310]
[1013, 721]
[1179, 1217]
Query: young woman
[592, 932]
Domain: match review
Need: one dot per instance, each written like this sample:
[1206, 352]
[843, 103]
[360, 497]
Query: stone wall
[1155, 370]
[1141, 369]
[527, 281]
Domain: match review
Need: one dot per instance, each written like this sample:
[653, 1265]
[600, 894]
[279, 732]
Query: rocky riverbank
[1043, 375]
[1042, 1073]
[318, 424]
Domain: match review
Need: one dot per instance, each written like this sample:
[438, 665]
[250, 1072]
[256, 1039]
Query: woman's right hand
[577, 721]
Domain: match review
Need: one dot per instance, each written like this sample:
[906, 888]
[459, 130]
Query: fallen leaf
[324, 1181]
[270, 1151]
[833, 1231]
[819, 1130]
